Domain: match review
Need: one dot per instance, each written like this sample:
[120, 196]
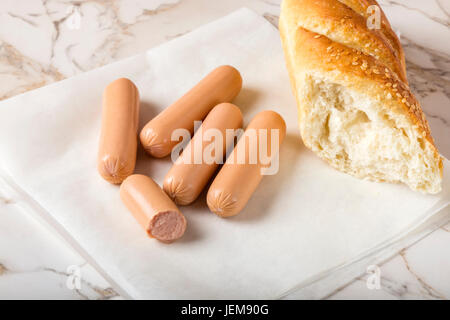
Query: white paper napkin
[300, 223]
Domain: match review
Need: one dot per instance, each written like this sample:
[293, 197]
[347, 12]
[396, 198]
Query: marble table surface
[43, 41]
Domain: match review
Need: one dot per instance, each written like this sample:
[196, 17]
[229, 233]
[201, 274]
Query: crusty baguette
[356, 110]
[361, 7]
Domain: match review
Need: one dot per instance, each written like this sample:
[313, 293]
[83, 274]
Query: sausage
[186, 179]
[238, 179]
[221, 85]
[118, 138]
[152, 208]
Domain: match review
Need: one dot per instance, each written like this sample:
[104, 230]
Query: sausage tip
[151, 143]
[221, 203]
[119, 82]
[113, 170]
[178, 191]
[227, 69]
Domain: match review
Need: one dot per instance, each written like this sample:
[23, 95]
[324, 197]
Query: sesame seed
[317, 36]
[398, 95]
[354, 63]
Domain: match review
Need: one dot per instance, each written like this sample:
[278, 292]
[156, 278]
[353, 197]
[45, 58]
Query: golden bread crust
[342, 24]
[349, 62]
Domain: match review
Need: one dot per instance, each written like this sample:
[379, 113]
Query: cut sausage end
[167, 226]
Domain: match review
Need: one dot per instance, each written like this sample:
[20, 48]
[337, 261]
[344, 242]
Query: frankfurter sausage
[118, 138]
[221, 85]
[242, 172]
[195, 166]
[152, 208]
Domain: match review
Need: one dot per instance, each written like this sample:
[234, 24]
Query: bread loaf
[355, 108]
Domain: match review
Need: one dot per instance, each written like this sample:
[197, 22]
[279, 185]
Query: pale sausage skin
[152, 208]
[118, 138]
[236, 181]
[186, 179]
[221, 85]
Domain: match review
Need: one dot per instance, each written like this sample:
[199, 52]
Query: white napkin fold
[300, 223]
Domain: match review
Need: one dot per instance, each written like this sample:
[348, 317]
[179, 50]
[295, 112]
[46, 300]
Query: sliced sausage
[152, 208]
